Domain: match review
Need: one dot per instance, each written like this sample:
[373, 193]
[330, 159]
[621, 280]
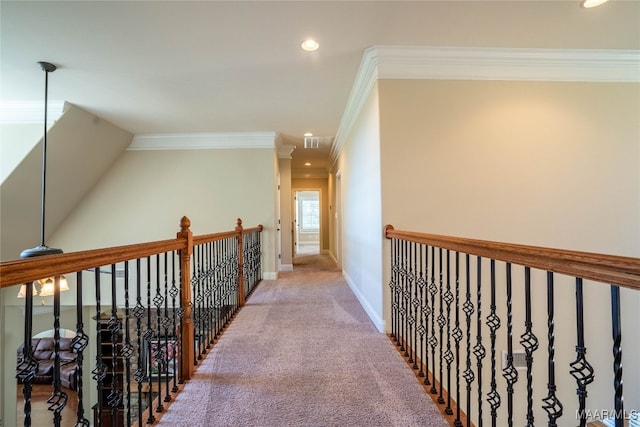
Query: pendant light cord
[47, 68]
[44, 158]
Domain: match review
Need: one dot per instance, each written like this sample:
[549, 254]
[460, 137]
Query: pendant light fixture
[47, 284]
[43, 249]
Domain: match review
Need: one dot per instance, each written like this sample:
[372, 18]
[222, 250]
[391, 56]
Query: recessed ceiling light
[310, 45]
[307, 164]
[592, 3]
[308, 134]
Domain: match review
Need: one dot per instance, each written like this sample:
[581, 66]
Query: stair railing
[453, 302]
[153, 319]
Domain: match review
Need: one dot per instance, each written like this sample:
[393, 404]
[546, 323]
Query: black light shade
[43, 249]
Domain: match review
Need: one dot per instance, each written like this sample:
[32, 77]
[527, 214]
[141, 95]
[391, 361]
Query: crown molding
[203, 141]
[285, 151]
[464, 63]
[30, 112]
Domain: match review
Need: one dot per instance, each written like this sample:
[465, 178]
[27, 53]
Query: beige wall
[552, 164]
[541, 163]
[299, 184]
[144, 195]
[358, 167]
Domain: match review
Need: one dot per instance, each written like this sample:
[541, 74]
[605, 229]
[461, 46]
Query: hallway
[302, 352]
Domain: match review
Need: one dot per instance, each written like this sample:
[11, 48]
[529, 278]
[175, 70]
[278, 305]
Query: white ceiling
[236, 66]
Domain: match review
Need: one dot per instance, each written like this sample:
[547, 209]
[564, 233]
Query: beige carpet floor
[302, 352]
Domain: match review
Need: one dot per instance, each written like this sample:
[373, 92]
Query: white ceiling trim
[462, 63]
[285, 151]
[415, 62]
[203, 141]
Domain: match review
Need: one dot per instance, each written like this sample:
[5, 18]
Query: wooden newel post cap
[185, 223]
[239, 223]
[387, 229]
[260, 227]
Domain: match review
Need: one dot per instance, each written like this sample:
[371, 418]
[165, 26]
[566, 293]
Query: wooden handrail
[27, 270]
[20, 271]
[611, 269]
[252, 230]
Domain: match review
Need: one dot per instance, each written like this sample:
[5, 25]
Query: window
[310, 217]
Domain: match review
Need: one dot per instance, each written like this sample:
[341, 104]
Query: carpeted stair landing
[302, 352]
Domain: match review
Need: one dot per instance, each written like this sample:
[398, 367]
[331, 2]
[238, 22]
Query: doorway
[307, 223]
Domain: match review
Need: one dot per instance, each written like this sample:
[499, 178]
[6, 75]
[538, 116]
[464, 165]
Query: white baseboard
[270, 275]
[286, 267]
[377, 321]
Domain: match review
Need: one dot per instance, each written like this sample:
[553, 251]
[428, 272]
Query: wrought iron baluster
[433, 341]
[457, 336]
[198, 298]
[127, 349]
[392, 288]
[166, 324]
[493, 321]
[581, 370]
[58, 399]
[479, 350]
[148, 337]
[27, 366]
[174, 292]
[258, 257]
[78, 345]
[421, 283]
[410, 306]
[158, 300]
[114, 398]
[413, 357]
[232, 273]
[403, 304]
[448, 355]
[99, 372]
[552, 405]
[441, 323]
[427, 311]
[398, 291]
[210, 285]
[226, 283]
[468, 311]
[616, 329]
[232, 264]
[181, 312]
[530, 344]
[509, 372]
[217, 294]
[139, 374]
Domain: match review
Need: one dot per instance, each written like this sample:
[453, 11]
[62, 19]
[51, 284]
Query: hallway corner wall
[359, 166]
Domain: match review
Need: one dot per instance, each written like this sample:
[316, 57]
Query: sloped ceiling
[83, 147]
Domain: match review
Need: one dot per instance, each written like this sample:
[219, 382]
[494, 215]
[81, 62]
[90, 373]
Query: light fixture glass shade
[22, 293]
[47, 289]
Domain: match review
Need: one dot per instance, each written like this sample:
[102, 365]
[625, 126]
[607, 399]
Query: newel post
[240, 264]
[187, 331]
